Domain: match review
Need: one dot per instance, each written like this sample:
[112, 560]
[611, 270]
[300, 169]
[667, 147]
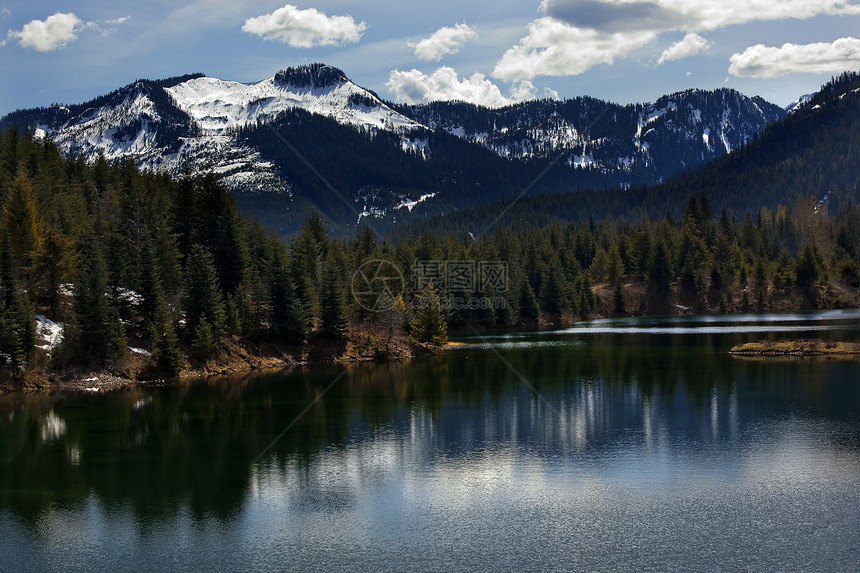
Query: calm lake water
[626, 444]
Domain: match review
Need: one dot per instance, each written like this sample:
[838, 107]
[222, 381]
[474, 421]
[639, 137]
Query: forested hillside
[814, 151]
[168, 269]
[126, 259]
[309, 139]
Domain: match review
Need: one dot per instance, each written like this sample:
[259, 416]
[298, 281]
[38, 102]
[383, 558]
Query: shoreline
[237, 356]
[363, 344]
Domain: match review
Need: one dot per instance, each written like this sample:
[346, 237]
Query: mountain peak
[316, 75]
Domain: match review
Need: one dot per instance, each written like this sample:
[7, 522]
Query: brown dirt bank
[236, 355]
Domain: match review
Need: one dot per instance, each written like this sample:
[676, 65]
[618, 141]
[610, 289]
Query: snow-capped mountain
[676, 132]
[308, 137]
[186, 121]
[799, 102]
[218, 105]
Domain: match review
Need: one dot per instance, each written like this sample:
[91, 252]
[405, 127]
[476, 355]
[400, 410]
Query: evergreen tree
[22, 221]
[202, 293]
[553, 296]
[784, 276]
[151, 286]
[428, 321]
[660, 271]
[10, 343]
[206, 340]
[809, 266]
[529, 311]
[583, 295]
[96, 333]
[232, 317]
[332, 306]
[615, 266]
[287, 318]
[760, 273]
[17, 310]
[165, 344]
[618, 300]
[52, 264]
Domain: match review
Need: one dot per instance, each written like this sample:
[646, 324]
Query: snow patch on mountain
[410, 204]
[117, 131]
[799, 103]
[419, 146]
[219, 105]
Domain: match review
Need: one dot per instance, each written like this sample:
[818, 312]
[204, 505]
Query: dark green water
[636, 445]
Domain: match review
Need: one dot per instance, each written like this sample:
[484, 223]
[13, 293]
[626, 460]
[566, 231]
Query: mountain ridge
[199, 124]
[811, 155]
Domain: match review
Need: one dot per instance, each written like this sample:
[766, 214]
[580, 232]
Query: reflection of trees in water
[158, 450]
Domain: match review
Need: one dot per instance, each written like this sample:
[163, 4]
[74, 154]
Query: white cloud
[5, 13]
[554, 48]
[444, 41]
[444, 84]
[47, 35]
[575, 35]
[687, 15]
[115, 21]
[305, 28]
[57, 30]
[711, 15]
[105, 27]
[691, 45]
[762, 61]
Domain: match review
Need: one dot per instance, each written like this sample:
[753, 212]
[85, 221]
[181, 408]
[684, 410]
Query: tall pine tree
[96, 334]
[202, 293]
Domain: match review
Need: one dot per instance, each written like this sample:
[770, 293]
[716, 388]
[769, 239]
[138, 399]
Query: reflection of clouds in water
[625, 461]
[379, 483]
[795, 452]
[581, 449]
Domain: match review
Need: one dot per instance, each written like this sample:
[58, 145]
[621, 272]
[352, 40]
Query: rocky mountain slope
[384, 161]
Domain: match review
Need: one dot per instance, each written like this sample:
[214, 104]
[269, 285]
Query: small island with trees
[797, 348]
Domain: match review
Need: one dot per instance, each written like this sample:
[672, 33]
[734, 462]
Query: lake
[635, 444]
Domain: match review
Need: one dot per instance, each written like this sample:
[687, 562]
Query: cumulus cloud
[688, 15]
[57, 30]
[554, 48]
[762, 61]
[575, 35]
[444, 84]
[444, 41]
[691, 45]
[305, 28]
[47, 35]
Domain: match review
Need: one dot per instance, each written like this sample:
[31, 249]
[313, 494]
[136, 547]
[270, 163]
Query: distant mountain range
[309, 138]
[811, 156]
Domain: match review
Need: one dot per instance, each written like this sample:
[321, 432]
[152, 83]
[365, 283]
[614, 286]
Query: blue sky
[487, 52]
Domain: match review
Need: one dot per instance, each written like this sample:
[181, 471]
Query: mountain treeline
[129, 259]
[813, 151]
[126, 259]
